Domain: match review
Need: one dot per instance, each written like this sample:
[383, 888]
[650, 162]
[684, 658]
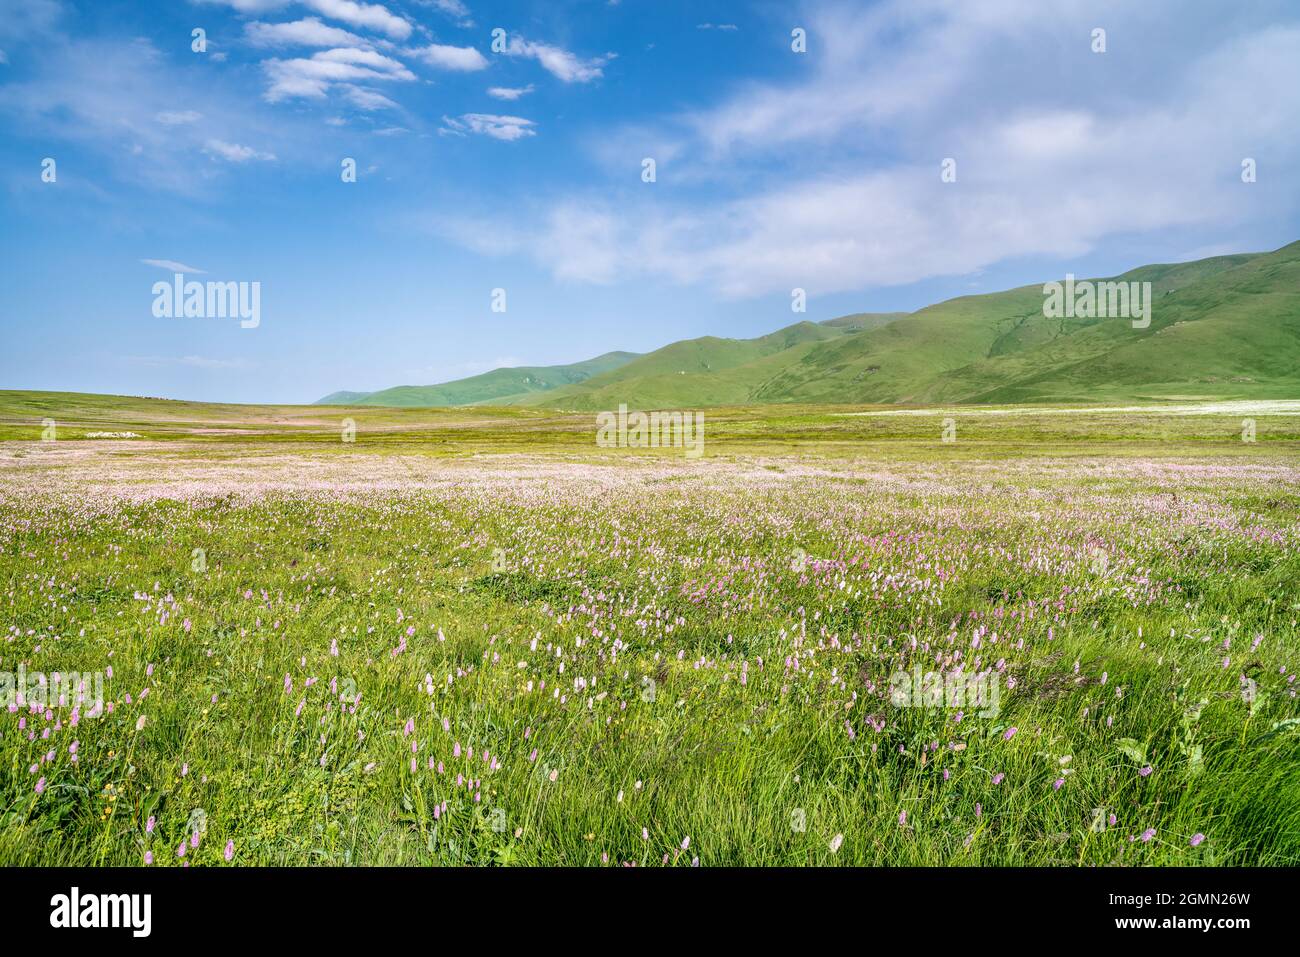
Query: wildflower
[1009, 733]
[1197, 838]
[836, 841]
[230, 850]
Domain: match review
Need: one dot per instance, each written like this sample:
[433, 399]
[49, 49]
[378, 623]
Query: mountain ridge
[1224, 326]
[502, 384]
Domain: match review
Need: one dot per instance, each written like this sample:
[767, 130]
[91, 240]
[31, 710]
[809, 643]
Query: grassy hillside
[709, 370]
[342, 397]
[859, 321]
[497, 386]
[1226, 327]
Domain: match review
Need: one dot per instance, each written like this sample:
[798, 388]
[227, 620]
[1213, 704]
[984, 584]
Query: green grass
[721, 625]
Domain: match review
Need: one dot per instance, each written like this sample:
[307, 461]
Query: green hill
[500, 386]
[1225, 327]
[342, 398]
[709, 370]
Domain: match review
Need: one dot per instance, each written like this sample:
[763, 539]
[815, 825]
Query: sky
[503, 146]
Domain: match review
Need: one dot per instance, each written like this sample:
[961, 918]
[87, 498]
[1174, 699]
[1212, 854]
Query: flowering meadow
[381, 657]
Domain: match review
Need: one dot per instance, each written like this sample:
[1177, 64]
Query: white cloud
[177, 117]
[486, 124]
[452, 8]
[461, 59]
[509, 92]
[30, 20]
[582, 243]
[832, 179]
[107, 97]
[249, 6]
[312, 78]
[557, 61]
[369, 16]
[234, 152]
[171, 265]
[308, 31]
[365, 99]
[366, 58]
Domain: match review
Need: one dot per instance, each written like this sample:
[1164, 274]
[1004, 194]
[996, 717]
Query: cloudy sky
[518, 165]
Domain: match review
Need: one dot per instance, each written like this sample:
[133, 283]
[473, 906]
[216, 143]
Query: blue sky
[521, 168]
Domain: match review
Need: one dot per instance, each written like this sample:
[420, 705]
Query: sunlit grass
[662, 660]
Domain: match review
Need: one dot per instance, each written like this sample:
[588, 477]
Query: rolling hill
[1224, 327]
[501, 386]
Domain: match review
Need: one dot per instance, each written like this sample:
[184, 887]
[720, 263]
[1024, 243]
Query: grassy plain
[473, 637]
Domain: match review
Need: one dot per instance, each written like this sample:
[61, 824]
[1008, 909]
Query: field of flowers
[362, 658]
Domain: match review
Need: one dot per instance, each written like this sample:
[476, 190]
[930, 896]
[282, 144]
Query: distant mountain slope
[497, 386]
[342, 398]
[863, 320]
[1001, 348]
[1225, 327]
[706, 371]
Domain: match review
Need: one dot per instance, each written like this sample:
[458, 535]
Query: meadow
[471, 637]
